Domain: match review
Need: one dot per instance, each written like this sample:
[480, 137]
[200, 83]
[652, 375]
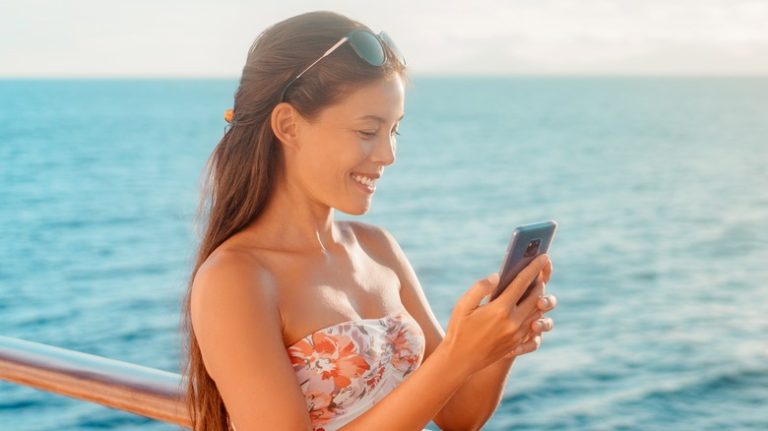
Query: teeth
[364, 180]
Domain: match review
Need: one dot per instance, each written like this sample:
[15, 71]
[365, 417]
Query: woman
[296, 321]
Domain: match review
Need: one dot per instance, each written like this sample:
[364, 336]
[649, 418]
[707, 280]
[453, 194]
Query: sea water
[659, 186]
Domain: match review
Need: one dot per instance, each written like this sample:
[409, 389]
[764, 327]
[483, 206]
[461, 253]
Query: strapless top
[346, 368]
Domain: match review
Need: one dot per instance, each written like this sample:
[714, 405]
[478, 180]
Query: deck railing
[121, 385]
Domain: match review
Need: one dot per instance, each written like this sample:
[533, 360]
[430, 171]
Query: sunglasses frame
[382, 38]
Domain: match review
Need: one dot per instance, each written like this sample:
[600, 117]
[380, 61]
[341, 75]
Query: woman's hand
[479, 335]
[533, 340]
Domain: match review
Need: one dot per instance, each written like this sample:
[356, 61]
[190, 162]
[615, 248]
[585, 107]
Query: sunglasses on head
[368, 46]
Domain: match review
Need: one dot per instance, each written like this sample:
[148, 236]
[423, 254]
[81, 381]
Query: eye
[366, 134]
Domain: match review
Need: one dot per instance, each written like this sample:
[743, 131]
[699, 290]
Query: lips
[367, 183]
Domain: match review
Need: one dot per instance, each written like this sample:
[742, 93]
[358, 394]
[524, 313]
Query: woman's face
[350, 142]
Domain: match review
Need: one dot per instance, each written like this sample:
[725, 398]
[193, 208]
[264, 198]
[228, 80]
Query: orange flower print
[326, 365]
[337, 358]
[345, 367]
[372, 381]
[403, 356]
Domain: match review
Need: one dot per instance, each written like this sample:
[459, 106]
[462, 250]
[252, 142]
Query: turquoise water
[659, 185]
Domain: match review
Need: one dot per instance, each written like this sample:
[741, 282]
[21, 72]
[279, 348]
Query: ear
[284, 121]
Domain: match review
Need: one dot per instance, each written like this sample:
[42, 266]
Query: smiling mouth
[364, 180]
[366, 183]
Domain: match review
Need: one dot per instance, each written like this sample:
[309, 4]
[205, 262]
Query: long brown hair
[242, 170]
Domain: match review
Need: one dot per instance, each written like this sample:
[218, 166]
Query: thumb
[482, 288]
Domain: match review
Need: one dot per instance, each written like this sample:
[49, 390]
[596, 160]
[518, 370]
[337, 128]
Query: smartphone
[527, 242]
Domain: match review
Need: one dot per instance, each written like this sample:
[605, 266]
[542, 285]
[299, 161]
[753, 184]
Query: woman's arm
[475, 402]
[238, 328]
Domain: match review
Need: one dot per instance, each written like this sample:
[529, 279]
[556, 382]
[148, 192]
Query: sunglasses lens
[391, 44]
[367, 46]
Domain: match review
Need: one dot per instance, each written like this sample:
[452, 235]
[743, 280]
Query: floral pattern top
[346, 368]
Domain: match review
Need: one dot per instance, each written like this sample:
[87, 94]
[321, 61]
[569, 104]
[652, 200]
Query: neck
[292, 221]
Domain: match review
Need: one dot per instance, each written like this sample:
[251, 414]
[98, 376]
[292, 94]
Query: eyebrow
[377, 118]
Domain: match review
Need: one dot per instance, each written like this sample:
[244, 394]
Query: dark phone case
[514, 260]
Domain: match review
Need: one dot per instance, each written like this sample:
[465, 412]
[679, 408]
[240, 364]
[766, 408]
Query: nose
[385, 150]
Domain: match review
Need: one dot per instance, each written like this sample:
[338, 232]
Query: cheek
[345, 155]
[322, 164]
[332, 157]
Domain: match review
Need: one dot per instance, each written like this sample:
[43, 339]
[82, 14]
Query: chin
[355, 209]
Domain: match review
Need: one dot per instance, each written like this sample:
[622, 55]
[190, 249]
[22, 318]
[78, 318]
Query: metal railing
[121, 385]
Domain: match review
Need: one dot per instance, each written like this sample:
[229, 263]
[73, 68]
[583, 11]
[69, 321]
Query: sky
[193, 38]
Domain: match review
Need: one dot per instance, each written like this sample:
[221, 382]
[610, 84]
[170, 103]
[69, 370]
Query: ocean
[659, 186]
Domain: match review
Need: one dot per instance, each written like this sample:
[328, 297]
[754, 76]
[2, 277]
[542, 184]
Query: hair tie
[229, 115]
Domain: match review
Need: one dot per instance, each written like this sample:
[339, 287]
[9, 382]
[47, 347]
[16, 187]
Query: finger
[542, 325]
[530, 302]
[547, 270]
[547, 302]
[514, 351]
[529, 325]
[472, 297]
[528, 346]
[517, 287]
[531, 287]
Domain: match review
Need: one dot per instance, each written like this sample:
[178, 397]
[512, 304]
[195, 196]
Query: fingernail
[545, 300]
[540, 324]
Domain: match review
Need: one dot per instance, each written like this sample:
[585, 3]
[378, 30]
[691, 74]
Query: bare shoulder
[381, 245]
[232, 261]
[238, 329]
[234, 273]
[371, 235]
[377, 240]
